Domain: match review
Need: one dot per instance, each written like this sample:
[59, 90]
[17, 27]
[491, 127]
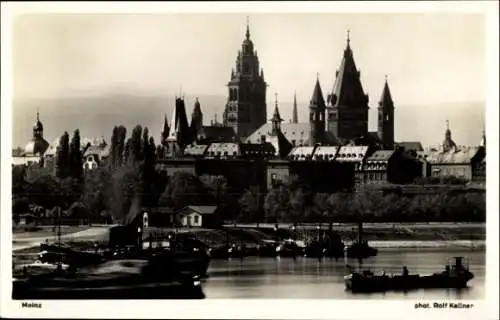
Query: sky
[430, 59]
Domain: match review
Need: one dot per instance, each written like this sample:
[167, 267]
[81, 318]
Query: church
[341, 118]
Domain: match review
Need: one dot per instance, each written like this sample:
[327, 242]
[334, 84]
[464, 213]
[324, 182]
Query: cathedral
[343, 118]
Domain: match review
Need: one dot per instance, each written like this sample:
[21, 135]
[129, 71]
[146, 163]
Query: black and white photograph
[249, 155]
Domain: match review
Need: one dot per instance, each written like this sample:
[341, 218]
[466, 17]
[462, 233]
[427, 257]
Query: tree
[62, 157]
[114, 147]
[19, 180]
[45, 191]
[96, 190]
[75, 157]
[297, 205]
[249, 206]
[183, 189]
[217, 186]
[277, 204]
[125, 186]
[136, 144]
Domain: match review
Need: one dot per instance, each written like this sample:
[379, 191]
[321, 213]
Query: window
[245, 68]
[274, 179]
[386, 117]
[196, 219]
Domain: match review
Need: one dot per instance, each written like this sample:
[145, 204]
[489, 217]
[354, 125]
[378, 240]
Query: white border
[275, 309]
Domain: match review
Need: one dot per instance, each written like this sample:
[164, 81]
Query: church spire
[385, 110]
[166, 129]
[295, 115]
[386, 98]
[317, 100]
[448, 143]
[196, 120]
[276, 119]
[247, 34]
[38, 127]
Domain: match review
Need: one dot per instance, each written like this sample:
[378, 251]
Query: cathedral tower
[196, 120]
[179, 135]
[295, 114]
[245, 109]
[347, 104]
[386, 117]
[317, 109]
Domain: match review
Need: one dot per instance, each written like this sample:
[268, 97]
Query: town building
[452, 160]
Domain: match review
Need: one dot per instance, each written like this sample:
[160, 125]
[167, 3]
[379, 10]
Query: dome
[36, 146]
[38, 126]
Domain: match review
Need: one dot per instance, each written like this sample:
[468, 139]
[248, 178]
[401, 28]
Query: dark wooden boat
[289, 248]
[267, 248]
[360, 248]
[73, 256]
[119, 279]
[329, 248]
[456, 275]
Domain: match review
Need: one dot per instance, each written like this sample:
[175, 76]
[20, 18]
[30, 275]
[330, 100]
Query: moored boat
[455, 275]
[118, 279]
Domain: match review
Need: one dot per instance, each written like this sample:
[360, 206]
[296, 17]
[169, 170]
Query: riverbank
[372, 232]
[378, 234]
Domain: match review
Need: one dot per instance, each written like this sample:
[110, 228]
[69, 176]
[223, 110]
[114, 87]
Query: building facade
[245, 110]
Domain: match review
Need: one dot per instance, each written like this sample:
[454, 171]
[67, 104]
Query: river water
[308, 278]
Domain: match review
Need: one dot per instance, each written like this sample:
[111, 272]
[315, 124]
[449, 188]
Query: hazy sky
[430, 58]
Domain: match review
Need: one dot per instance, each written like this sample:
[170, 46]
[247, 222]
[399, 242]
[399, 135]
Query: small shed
[196, 216]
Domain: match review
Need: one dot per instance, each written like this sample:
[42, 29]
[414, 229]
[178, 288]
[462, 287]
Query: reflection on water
[305, 278]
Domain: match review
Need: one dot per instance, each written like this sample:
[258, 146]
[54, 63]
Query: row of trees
[290, 203]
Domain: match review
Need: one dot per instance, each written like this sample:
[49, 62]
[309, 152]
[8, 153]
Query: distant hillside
[96, 116]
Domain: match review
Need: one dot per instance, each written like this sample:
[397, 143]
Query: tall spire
[347, 88]
[295, 115]
[276, 119]
[386, 98]
[448, 143]
[317, 99]
[247, 35]
[38, 127]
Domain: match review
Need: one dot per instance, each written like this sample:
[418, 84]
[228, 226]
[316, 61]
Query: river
[308, 278]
